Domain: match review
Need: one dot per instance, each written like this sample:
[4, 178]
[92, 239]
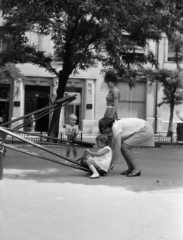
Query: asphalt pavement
[42, 200]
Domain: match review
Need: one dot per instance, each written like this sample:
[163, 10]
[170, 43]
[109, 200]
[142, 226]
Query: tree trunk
[54, 126]
[170, 127]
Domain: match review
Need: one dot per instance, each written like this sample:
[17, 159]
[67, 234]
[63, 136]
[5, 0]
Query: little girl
[101, 159]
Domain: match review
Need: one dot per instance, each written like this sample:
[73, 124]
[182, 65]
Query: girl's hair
[110, 76]
[105, 122]
[103, 139]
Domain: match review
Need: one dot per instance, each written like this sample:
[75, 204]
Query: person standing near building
[71, 131]
[113, 96]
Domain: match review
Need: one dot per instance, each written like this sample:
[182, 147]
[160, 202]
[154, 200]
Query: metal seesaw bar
[37, 145]
[45, 158]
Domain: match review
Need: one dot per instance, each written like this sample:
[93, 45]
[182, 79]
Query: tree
[85, 32]
[172, 83]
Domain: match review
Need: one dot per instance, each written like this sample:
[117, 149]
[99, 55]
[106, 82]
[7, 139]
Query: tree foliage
[85, 32]
[11, 72]
[172, 84]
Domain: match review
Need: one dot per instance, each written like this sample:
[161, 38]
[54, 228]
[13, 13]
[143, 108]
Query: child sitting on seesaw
[101, 159]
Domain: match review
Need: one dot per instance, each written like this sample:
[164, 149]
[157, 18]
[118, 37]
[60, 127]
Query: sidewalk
[40, 200]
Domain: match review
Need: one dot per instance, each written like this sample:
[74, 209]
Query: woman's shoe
[126, 172]
[134, 174]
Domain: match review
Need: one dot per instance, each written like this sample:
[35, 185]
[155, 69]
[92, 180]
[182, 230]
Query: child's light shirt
[127, 127]
[104, 161]
[71, 131]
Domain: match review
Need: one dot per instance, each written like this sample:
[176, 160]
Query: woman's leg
[129, 157]
[91, 164]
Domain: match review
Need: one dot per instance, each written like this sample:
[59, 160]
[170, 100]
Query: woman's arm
[98, 154]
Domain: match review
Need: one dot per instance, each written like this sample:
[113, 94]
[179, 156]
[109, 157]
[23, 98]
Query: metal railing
[160, 137]
[12, 140]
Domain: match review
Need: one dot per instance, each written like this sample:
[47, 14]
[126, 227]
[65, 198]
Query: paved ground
[40, 200]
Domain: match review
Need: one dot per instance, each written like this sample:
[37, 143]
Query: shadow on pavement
[162, 169]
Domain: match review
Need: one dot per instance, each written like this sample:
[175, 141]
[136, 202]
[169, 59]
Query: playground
[44, 195]
[45, 200]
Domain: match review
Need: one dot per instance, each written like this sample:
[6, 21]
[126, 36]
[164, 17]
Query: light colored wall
[18, 95]
[94, 80]
[150, 104]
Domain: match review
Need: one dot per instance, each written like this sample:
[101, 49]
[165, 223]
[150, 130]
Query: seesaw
[42, 112]
[75, 164]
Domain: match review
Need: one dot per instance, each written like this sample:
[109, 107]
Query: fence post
[2, 153]
[1, 161]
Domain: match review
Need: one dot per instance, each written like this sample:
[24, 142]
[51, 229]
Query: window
[132, 101]
[171, 48]
[35, 39]
[4, 41]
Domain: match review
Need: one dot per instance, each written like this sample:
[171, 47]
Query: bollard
[2, 152]
[1, 163]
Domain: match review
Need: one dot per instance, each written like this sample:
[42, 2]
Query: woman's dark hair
[110, 76]
[103, 139]
[105, 122]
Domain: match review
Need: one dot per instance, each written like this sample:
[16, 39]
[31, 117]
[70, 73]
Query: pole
[2, 151]
[1, 162]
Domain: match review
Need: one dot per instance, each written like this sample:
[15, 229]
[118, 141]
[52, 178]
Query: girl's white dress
[104, 161]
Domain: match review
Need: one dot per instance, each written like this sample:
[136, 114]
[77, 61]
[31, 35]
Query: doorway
[4, 103]
[4, 110]
[35, 100]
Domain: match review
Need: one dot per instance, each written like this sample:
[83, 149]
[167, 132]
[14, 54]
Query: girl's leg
[91, 165]
[129, 157]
